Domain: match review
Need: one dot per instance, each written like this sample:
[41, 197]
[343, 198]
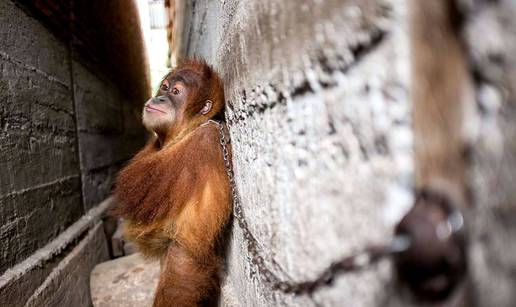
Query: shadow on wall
[74, 77]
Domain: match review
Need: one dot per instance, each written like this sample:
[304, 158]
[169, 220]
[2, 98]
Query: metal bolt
[434, 261]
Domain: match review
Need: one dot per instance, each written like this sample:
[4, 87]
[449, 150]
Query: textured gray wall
[493, 174]
[319, 116]
[65, 129]
[109, 131]
[40, 179]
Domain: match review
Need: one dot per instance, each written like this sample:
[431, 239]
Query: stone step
[128, 281]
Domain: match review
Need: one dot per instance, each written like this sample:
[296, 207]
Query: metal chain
[356, 262]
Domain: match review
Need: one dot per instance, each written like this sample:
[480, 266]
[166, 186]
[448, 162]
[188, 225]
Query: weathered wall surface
[492, 177]
[109, 131]
[69, 282]
[318, 110]
[40, 181]
[69, 117]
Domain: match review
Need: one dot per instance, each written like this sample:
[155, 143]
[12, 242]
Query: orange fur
[441, 92]
[186, 282]
[175, 196]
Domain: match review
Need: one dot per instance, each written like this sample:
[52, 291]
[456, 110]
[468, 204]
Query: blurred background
[340, 114]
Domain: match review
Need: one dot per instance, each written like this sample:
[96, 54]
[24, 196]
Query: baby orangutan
[174, 195]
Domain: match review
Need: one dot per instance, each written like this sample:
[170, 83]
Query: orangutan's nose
[159, 99]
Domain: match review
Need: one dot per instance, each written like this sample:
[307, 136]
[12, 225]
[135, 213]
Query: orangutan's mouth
[154, 110]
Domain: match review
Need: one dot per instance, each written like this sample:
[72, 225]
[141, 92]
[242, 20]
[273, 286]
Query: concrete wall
[320, 119]
[40, 182]
[68, 120]
[492, 175]
[109, 131]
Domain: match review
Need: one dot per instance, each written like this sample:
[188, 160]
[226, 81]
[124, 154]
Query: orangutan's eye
[175, 91]
[164, 86]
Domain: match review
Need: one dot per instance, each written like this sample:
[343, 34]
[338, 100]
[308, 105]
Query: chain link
[359, 261]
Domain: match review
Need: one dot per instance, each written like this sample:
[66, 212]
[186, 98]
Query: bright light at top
[154, 20]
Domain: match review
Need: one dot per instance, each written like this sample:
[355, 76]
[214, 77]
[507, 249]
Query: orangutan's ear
[207, 107]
